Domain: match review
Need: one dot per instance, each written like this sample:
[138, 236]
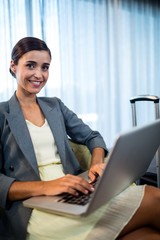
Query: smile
[35, 83]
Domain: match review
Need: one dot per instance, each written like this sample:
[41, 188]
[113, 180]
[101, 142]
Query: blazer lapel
[55, 124]
[20, 131]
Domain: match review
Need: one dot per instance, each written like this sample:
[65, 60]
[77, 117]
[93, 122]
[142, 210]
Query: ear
[13, 66]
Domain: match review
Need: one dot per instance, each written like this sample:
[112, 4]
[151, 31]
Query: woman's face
[32, 71]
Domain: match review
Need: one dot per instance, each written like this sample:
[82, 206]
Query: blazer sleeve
[4, 180]
[80, 132]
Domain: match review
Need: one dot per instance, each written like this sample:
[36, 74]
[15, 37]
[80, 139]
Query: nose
[38, 73]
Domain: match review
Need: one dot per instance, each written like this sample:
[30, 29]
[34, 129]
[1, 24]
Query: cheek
[21, 76]
[18, 76]
[46, 75]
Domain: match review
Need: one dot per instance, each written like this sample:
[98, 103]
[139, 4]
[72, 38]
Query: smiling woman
[36, 159]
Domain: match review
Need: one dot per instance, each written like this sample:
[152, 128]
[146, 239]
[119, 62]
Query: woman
[36, 159]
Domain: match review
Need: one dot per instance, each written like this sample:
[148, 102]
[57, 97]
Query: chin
[35, 91]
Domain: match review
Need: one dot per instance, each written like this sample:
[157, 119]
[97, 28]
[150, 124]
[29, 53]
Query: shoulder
[51, 102]
[4, 107]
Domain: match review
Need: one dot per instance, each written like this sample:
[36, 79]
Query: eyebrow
[30, 61]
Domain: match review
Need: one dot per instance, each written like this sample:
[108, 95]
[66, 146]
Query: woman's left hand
[96, 170]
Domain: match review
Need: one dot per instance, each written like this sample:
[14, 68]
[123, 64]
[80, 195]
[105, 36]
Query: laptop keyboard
[81, 199]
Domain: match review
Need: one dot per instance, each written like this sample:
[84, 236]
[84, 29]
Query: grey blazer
[18, 160]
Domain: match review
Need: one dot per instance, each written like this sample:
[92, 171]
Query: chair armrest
[82, 153]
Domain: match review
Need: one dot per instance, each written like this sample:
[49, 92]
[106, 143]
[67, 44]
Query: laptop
[128, 161]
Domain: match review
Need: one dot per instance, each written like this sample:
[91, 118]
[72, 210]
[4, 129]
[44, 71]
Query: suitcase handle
[152, 98]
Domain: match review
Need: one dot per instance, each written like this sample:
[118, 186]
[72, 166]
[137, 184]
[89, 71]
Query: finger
[92, 175]
[84, 186]
[75, 183]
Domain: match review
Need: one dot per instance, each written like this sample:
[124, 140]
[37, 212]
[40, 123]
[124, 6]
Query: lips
[35, 83]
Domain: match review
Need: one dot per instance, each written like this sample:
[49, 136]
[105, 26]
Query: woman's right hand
[67, 184]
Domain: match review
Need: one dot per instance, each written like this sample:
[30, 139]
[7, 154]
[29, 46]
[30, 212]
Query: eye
[45, 67]
[30, 65]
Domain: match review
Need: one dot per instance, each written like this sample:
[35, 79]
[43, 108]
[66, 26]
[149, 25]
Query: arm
[69, 184]
[97, 163]
[80, 132]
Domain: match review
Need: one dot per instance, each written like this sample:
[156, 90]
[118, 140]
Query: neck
[26, 99]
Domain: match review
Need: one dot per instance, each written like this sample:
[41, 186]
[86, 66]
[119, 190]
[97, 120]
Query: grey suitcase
[151, 177]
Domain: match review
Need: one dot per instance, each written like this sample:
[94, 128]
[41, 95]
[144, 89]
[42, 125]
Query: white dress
[104, 224]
